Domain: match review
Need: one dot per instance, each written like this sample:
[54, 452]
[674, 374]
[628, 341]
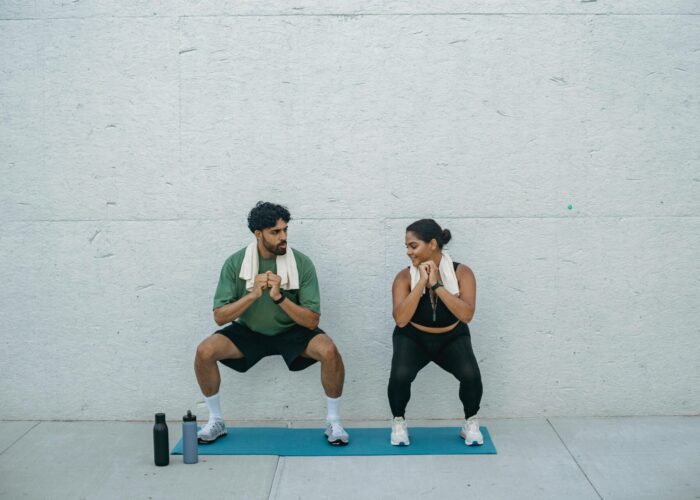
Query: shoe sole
[477, 443]
[400, 443]
[338, 442]
[202, 441]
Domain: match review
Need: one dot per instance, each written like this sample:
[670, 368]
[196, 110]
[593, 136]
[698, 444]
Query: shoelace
[400, 426]
[209, 427]
[336, 429]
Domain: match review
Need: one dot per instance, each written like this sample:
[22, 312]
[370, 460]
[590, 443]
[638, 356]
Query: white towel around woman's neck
[286, 268]
[447, 273]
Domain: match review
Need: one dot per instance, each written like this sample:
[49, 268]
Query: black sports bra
[424, 311]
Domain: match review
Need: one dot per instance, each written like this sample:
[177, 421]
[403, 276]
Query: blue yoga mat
[287, 442]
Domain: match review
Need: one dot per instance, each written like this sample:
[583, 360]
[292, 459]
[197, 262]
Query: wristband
[280, 300]
[436, 286]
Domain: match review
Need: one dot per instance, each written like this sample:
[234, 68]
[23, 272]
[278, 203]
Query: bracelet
[280, 300]
[436, 286]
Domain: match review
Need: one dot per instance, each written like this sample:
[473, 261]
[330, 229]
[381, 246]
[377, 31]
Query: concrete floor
[557, 458]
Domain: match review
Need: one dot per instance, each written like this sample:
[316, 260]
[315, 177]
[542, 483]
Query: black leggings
[451, 351]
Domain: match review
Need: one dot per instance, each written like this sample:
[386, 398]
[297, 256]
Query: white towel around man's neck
[286, 268]
[447, 273]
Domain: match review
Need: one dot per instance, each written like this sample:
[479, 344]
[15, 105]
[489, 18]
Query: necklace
[433, 303]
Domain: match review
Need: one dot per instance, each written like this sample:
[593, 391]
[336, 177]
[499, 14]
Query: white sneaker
[399, 432]
[336, 434]
[470, 432]
[211, 432]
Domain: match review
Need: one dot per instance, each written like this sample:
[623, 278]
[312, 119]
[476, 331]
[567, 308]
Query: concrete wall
[558, 140]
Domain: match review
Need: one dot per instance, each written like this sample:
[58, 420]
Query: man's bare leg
[209, 352]
[322, 348]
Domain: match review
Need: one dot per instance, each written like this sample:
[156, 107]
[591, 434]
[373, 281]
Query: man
[270, 296]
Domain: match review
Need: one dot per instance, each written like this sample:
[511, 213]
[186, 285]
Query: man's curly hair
[265, 214]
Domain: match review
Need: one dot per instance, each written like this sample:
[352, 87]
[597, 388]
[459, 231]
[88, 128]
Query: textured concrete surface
[18, 9]
[115, 460]
[577, 458]
[11, 432]
[642, 457]
[531, 463]
[135, 138]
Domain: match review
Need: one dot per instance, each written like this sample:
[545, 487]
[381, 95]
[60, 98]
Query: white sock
[333, 409]
[214, 406]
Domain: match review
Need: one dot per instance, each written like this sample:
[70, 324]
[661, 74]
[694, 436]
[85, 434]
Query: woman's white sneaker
[470, 432]
[399, 432]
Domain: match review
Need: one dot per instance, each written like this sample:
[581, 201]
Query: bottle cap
[189, 417]
[160, 418]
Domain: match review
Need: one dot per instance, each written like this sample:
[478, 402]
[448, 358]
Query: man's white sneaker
[336, 434]
[470, 432]
[211, 432]
[399, 432]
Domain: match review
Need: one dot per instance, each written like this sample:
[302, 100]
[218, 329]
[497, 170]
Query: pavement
[541, 458]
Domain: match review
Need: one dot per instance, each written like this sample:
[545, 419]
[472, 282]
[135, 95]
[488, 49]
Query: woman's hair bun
[446, 236]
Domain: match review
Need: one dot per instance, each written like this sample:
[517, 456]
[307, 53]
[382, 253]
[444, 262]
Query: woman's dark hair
[265, 214]
[428, 229]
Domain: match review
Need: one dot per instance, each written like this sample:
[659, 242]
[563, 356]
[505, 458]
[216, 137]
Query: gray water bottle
[189, 438]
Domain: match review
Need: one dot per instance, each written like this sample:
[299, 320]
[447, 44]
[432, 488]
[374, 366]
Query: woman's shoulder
[403, 275]
[463, 270]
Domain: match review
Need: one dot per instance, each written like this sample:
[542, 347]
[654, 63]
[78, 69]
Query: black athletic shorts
[290, 344]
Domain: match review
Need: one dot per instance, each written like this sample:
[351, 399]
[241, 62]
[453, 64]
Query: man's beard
[274, 248]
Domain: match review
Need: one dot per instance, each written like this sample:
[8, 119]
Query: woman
[434, 299]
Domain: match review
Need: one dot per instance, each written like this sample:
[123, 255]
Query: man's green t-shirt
[264, 316]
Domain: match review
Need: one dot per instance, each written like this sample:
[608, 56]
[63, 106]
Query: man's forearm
[229, 312]
[300, 315]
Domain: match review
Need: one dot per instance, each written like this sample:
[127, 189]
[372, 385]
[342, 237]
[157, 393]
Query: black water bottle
[161, 447]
